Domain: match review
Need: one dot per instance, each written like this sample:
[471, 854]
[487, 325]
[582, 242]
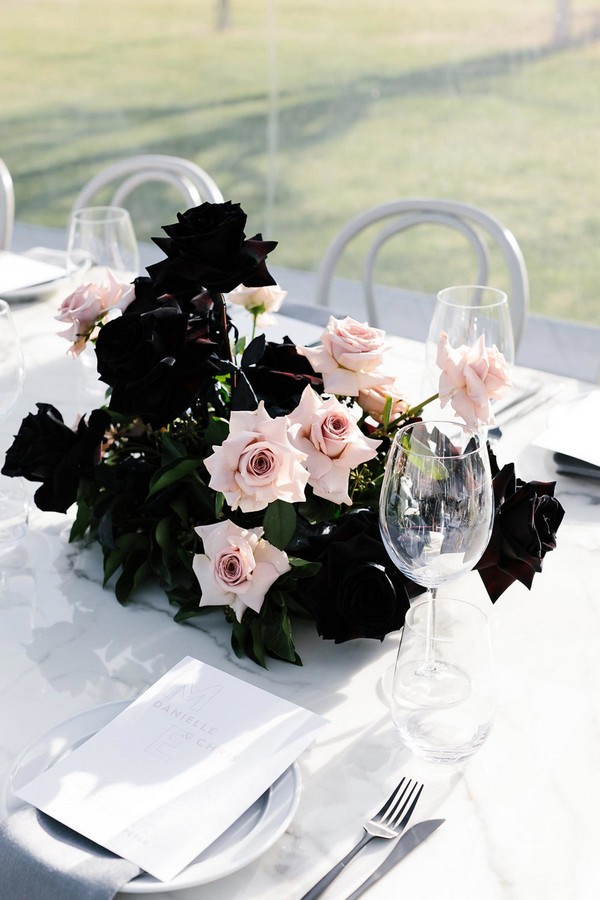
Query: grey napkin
[40, 859]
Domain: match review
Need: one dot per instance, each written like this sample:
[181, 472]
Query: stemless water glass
[102, 238]
[444, 717]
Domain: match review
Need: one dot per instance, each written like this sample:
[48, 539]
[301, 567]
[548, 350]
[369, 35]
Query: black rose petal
[208, 249]
[47, 450]
[358, 592]
[526, 520]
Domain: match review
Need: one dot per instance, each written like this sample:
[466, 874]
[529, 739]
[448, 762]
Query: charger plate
[243, 842]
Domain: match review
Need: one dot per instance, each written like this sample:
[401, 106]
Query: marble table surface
[521, 816]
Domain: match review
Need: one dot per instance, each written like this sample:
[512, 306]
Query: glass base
[441, 742]
[433, 683]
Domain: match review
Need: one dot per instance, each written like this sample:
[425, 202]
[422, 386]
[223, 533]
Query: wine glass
[435, 515]
[12, 369]
[465, 312]
[102, 238]
[436, 507]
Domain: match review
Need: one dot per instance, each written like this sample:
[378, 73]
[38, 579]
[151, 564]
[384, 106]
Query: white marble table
[522, 819]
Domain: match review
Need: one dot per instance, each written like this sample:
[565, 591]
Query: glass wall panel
[307, 111]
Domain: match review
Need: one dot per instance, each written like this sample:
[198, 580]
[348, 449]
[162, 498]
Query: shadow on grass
[307, 117]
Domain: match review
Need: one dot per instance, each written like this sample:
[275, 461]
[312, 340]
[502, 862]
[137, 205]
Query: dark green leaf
[172, 473]
[135, 570]
[171, 450]
[279, 523]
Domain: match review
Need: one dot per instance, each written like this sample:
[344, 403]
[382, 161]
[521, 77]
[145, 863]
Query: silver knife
[409, 840]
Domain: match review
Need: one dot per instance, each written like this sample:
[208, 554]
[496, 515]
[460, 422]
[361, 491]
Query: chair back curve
[7, 206]
[194, 184]
[479, 228]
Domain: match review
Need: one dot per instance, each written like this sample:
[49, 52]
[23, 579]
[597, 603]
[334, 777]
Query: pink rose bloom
[373, 401]
[237, 567]
[350, 357]
[259, 301]
[88, 303]
[333, 444]
[471, 377]
[257, 464]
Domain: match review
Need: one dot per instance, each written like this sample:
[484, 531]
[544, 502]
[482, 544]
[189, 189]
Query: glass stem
[430, 651]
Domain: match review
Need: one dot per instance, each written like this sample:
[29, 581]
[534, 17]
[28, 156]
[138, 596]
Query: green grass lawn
[307, 111]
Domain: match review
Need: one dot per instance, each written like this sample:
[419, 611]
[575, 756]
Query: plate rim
[145, 883]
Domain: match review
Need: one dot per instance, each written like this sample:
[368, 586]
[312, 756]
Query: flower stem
[417, 410]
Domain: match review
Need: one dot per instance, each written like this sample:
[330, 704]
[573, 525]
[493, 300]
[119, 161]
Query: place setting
[270, 483]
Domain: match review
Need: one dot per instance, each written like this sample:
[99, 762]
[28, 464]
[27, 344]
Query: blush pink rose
[257, 464]
[259, 301]
[88, 304]
[333, 443]
[237, 567]
[470, 378]
[373, 401]
[350, 357]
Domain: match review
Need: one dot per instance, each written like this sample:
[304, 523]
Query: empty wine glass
[466, 312]
[436, 507]
[12, 369]
[102, 238]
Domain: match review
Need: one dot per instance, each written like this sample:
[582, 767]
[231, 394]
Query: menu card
[18, 272]
[173, 771]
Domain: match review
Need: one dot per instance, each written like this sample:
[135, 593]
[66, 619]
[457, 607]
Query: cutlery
[388, 823]
[523, 394]
[409, 840]
[522, 408]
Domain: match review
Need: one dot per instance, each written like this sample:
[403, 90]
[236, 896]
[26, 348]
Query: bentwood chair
[176, 184]
[482, 231]
[7, 206]
[125, 176]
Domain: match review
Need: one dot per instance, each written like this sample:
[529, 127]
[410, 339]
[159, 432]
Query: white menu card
[173, 771]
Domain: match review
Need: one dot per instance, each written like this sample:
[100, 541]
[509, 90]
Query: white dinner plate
[243, 842]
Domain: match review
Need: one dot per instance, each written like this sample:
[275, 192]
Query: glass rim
[480, 614]
[4, 306]
[474, 432]
[502, 296]
[100, 213]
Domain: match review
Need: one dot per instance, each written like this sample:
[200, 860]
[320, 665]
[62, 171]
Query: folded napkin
[40, 859]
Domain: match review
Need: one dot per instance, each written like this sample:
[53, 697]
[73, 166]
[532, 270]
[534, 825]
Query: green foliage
[279, 523]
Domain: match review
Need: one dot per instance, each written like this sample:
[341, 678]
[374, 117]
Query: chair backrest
[480, 229]
[194, 183]
[7, 206]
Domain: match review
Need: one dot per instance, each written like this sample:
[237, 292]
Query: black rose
[155, 363]
[279, 375]
[526, 520]
[181, 292]
[358, 592]
[207, 248]
[47, 450]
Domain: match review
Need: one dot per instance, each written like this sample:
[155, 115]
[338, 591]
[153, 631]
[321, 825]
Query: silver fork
[388, 823]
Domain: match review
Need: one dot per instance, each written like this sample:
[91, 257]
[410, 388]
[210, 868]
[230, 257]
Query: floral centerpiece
[246, 475]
